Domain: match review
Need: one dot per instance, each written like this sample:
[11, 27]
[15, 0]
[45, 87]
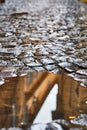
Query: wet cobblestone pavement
[43, 36]
[49, 37]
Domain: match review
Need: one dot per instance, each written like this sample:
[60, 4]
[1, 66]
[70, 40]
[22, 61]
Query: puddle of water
[27, 98]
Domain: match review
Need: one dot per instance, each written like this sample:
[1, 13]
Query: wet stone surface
[45, 36]
[50, 37]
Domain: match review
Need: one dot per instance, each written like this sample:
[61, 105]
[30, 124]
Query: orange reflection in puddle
[21, 98]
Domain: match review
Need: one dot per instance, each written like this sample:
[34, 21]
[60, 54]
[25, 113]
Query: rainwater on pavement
[46, 38]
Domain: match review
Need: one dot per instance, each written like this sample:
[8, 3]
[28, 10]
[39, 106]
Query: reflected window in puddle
[39, 97]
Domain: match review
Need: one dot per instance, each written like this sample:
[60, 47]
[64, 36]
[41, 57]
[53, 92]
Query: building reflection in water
[21, 98]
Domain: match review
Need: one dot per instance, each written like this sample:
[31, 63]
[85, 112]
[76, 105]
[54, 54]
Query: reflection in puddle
[49, 105]
[26, 99]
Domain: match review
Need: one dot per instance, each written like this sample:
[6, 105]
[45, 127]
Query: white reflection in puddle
[48, 106]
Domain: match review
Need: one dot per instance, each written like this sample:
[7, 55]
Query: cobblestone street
[47, 35]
